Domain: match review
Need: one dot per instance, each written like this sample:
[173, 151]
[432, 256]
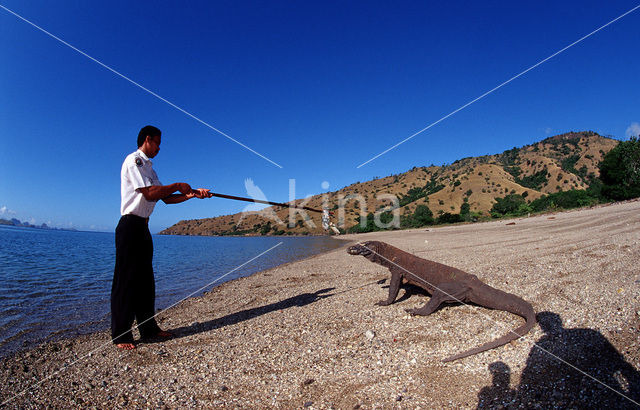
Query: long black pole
[239, 198]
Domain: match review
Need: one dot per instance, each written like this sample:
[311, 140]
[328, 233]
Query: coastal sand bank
[307, 334]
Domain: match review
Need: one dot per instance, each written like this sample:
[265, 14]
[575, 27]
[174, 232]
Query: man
[133, 288]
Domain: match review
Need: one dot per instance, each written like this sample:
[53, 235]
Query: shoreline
[307, 333]
[96, 326]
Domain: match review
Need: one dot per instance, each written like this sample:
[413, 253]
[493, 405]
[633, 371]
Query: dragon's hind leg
[449, 292]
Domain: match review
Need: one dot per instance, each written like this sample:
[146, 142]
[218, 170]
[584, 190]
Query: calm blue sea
[58, 283]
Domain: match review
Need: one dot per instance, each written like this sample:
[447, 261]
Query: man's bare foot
[125, 346]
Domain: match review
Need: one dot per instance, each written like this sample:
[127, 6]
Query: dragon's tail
[530, 320]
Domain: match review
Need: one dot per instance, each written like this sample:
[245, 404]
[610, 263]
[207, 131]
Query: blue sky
[317, 87]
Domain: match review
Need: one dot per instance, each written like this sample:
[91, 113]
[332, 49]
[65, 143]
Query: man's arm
[195, 193]
[178, 198]
[157, 192]
[166, 193]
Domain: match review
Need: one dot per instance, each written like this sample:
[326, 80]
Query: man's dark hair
[149, 130]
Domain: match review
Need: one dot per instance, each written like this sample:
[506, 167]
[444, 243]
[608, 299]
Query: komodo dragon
[446, 285]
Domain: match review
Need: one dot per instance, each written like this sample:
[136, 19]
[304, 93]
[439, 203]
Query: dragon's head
[369, 249]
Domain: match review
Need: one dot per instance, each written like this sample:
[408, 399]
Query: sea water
[57, 283]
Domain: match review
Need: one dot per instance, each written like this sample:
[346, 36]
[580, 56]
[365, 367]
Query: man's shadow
[577, 368]
[498, 395]
[248, 314]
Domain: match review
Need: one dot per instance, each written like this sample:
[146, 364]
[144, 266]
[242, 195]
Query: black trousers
[133, 290]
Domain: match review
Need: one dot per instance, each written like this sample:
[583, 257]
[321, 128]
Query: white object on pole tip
[325, 219]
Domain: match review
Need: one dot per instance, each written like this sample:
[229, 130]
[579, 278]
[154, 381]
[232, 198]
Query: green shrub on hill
[368, 225]
[535, 181]
[465, 211]
[568, 164]
[620, 171]
[422, 216]
[449, 218]
[412, 195]
[515, 205]
[511, 204]
[421, 192]
[264, 230]
[510, 157]
[515, 171]
[575, 198]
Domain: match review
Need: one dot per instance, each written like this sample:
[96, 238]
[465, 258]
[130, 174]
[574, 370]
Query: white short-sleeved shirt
[137, 172]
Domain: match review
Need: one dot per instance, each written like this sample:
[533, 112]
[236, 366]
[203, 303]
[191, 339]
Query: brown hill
[563, 162]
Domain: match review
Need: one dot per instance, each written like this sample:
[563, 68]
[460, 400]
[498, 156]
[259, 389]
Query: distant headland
[18, 223]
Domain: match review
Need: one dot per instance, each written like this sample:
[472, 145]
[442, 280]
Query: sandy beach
[308, 335]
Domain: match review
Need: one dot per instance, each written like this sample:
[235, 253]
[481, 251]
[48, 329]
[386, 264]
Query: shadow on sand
[248, 314]
[558, 370]
[299, 300]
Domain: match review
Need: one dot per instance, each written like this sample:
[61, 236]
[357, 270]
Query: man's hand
[199, 193]
[202, 193]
